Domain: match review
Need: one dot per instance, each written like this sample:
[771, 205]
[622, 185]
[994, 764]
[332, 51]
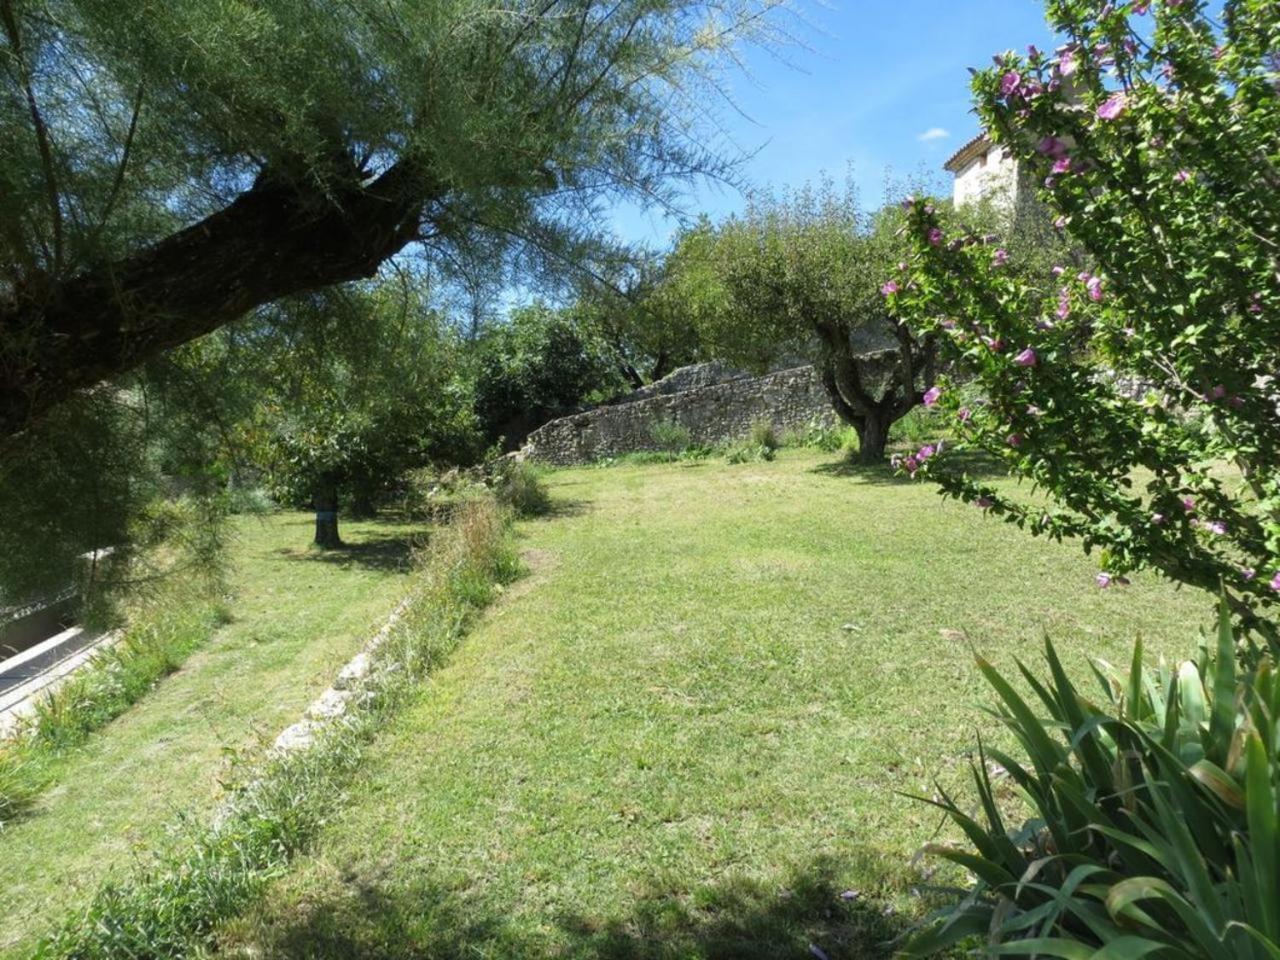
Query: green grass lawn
[298, 616]
[686, 733]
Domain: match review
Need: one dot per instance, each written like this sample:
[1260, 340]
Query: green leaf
[1219, 783]
[1263, 832]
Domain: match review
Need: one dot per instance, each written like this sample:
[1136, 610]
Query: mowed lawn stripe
[687, 732]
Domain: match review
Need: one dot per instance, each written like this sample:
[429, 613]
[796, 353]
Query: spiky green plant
[1154, 827]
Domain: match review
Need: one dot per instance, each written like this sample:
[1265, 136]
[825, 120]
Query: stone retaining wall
[721, 412]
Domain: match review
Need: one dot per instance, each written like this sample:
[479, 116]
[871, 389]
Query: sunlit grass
[687, 733]
[298, 615]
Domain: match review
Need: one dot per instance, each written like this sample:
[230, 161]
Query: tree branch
[41, 131]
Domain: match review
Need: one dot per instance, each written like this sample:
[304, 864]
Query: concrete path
[38, 669]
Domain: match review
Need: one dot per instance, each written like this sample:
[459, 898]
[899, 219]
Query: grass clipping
[175, 903]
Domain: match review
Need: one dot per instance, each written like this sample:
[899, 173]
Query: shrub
[745, 451]
[764, 435]
[823, 436]
[1149, 139]
[518, 486]
[1154, 825]
[671, 437]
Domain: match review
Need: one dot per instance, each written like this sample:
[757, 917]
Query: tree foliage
[1140, 392]
[349, 389]
[538, 364]
[167, 167]
[801, 276]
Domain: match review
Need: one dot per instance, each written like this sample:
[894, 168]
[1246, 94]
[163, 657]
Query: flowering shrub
[1140, 392]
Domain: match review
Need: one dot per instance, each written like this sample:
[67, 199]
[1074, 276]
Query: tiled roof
[973, 148]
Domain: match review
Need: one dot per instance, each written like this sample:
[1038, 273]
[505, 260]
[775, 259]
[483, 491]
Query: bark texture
[871, 392]
[275, 239]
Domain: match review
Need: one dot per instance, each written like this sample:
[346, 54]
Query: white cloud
[933, 133]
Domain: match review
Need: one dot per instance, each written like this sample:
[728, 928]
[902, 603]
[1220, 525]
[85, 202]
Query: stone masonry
[720, 411]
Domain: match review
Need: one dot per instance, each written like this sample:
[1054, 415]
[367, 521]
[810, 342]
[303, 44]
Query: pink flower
[1112, 107]
[1141, 7]
[908, 203]
[1275, 583]
[1217, 527]
[1189, 504]
[964, 414]
[1062, 165]
[925, 452]
[1051, 147]
[1103, 580]
[931, 396]
[1094, 286]
[1217, 391]
[1248, 573]
[1001, 257]
[1157, 519]
[1014, 439]
[1067, 64]
[1058, 271]
[911, 464]
[1182, 176]
[1027, 358]
[935, 236]
[985, 502]
[889, 288]
[1010, 83]
[1064, 305]
[1060, 223]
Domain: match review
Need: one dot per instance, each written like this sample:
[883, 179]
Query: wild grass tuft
[518, 486]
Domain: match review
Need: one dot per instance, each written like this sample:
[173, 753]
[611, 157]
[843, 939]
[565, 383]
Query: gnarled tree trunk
[848, 378]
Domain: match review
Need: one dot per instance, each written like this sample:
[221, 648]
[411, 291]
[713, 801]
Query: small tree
[536, 365]
[804, 275]
[637, 316]
[358, 386]
[1140, 393]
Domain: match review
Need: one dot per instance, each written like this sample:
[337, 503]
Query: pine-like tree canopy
[169, 165]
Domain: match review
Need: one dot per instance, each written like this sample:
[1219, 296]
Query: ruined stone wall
[721, 412]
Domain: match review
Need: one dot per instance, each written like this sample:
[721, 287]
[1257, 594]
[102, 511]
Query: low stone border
[350, 684]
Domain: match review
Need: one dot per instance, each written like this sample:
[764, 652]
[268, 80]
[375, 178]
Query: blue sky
[876, 78]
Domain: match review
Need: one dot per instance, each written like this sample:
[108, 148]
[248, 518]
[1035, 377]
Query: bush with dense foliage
[538, 364]
[1140, 393]
[1154, 824]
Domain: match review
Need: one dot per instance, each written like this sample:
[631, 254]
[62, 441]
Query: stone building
[984, 169]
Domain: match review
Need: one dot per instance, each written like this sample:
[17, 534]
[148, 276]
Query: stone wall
[717, 413]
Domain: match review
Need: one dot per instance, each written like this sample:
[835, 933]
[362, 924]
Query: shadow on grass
[735, 919]
[373, 551]
[975, 463]
[560, 507]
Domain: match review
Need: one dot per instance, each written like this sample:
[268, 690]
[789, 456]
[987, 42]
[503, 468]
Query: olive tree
[803, 275]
